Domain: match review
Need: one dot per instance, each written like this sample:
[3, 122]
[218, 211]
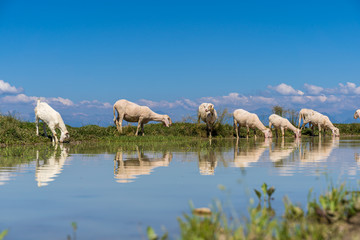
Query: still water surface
[115, 194]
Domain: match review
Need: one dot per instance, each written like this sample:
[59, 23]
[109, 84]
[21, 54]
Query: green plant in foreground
[336, 206]
[74, 227]
[267, 193]
[3, 234]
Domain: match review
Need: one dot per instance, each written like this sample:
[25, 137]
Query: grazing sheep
[208, 114]
[357, 114]
[132, 112]
[52, 118]
[322, 121]
[249, 120]
[283, 124]
[304, 115]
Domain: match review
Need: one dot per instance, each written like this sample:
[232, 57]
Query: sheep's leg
[319, 126]
[208, 128]
[247, 131]
[255, 133]
[44, 127]
[276, 132]
[138, 126]
[142, 129]
[37, 126]
[304, 123]
[54, 138]
[119, 121]
[282, 132]
[312, 130]
[237, 129]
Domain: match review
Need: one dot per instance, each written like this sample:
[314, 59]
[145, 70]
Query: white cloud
[285, 89]
[64, 101]
[312, 89]
[349, 88]
[80, 114]
[184, 103]
[95, 104]
[231, 99]
[263, 100]
[20, 98]
[6, 88]
[299, 99]
[321, 98]
[191, 103]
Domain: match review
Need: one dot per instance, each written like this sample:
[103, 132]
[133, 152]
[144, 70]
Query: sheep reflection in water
[207, 162]
[282, 151]
[318, 151]
[248, 153]
[127, 166]
[47, 169]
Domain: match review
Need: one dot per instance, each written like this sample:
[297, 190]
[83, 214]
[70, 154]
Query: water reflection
[297, 156]
[46, 170]
[318, 149]
[249, 152]
[6, 175]
[207, 162]
[280, 152]
[127, 166]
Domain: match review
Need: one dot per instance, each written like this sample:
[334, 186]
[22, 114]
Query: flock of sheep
[132, 112]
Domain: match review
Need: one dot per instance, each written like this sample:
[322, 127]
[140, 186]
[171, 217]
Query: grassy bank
[14, 132]
[333, 215]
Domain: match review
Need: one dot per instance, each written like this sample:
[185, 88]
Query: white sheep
[249, 120]
[131, 112]
[283, 124]
[357, 114]
[304, 115]
[323, 122]
[52, 118]
[207, 113]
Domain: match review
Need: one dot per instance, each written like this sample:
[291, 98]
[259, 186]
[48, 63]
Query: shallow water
[115, 194]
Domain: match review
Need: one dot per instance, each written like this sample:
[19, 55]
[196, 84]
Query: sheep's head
[268, 133]
[209, 108]
[64, 136]
[298, 133]
[167, 121]
[356, 114]
[335, 132]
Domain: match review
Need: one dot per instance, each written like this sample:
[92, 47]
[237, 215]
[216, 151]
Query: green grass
[16, 132]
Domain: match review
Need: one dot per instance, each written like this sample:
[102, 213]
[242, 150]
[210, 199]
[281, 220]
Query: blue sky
[82, 56]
